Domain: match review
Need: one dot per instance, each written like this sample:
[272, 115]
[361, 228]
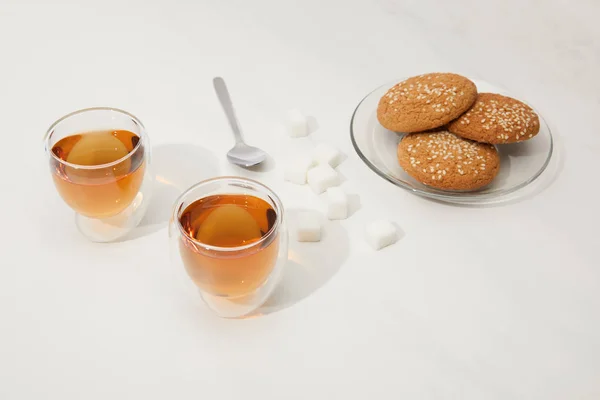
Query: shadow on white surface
[176, 166]
[312, 123]
[400, 234]
[341, 177]
[310, 265]
[354, 204]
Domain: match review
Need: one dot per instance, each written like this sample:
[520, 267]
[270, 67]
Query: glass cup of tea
[100, 164]
[228, 242]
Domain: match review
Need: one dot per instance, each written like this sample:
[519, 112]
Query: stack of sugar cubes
[318, 170]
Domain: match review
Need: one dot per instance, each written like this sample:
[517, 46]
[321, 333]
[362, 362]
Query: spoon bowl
[246, 156]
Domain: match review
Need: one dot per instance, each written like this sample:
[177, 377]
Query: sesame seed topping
[425, 87]
[440, 148]
[504, 116]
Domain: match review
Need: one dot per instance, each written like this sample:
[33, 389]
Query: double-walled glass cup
[99, 159]
[228, 242]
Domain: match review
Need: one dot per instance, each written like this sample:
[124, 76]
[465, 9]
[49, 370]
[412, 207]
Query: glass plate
[520, 163]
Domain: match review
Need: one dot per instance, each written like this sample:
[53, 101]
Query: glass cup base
[109, 229]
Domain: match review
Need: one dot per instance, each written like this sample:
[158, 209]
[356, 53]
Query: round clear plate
[520, 163]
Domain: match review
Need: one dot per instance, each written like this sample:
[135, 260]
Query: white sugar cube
[337, 203]
[327, 154]
[381, 234]
[309, 227]
[297, 124]
[321, 178]
[296, 170]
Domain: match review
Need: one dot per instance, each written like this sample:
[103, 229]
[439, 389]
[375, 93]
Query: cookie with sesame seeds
[425, 102]
[497, 119]
[445, 161]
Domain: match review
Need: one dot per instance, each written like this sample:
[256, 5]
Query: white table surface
[472, 303]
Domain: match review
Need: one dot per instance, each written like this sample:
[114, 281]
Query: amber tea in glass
[229, 221]
[99, 164]
[98, 192]
[229, 238]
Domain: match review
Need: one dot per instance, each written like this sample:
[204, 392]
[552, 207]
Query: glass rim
[228, 179]
[82, 111]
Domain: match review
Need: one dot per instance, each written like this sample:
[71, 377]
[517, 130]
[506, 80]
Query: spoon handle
[225, 100]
